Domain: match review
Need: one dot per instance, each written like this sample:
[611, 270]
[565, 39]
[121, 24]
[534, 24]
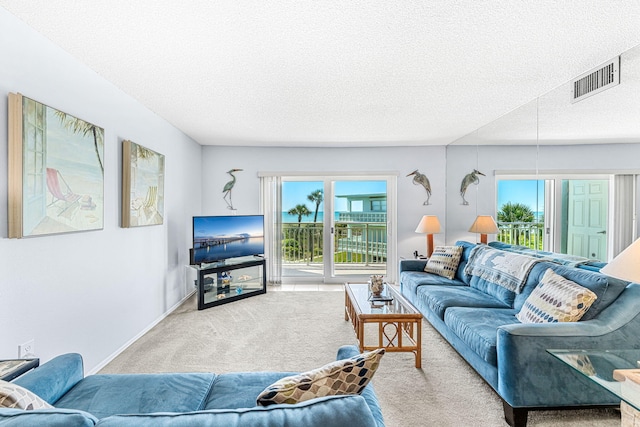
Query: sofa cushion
[607, 289]
[14, 396]
[444, 261]
[239, 389]
[490, 288]
[412, 280]
[105, 395]
[477, 328]
[556, 299]
[439, 298]
[467, 247]
[54, 417]
[347, 376]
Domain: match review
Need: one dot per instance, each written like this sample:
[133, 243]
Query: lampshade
[484, 224]
[626, 265]
[429, 224]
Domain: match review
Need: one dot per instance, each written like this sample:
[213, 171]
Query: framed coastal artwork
[142, 186]
[56, 171]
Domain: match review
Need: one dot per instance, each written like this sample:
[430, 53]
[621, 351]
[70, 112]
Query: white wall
[91, 292]
[401, 160]
[445, 167]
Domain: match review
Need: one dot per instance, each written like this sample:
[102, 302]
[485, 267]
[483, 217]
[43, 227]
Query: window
[379, 205]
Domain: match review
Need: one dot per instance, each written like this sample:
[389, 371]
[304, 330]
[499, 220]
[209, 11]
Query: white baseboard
[139, 335]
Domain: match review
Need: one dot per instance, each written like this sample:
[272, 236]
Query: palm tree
[515, 212]
[299, 210]
[79, 126]
[316, 197]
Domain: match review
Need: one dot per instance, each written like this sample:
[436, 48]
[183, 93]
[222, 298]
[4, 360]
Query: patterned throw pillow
[348, 376]
[556, 299]
[444, 261]
[14, 396]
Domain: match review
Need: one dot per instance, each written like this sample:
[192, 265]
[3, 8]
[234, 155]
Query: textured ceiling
[334, 72]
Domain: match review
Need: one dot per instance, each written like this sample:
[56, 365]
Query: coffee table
[399, 324]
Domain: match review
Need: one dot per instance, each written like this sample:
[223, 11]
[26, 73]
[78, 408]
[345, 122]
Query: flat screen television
[216, 238]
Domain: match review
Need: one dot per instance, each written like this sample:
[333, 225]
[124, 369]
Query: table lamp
[626, 265]
[484, 224]
[429, 225]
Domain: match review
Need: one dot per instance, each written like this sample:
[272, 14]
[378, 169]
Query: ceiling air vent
[597, 80]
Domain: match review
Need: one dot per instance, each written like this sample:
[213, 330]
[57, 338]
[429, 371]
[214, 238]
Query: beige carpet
[296, 331]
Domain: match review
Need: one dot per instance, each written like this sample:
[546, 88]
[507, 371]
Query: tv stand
[230, 280]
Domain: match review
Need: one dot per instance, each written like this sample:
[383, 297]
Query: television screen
[221, 237]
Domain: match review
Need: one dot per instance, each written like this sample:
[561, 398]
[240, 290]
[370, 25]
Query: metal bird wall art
[228, 187]
[470, 178]
[421, 179]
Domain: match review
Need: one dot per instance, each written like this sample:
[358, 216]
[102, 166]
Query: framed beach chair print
[56, 171]
[142, 186]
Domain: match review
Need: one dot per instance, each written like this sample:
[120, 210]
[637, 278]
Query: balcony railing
[529, 234]
[365, 243]
[354, 242]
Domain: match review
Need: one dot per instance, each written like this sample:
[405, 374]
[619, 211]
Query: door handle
[602, 232]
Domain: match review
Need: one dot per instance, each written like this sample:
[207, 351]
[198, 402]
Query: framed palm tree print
[142, 186]
[56, 171]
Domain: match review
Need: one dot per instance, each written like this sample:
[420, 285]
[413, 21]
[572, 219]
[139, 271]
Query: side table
[13, 368]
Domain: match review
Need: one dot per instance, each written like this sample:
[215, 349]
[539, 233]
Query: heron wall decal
[470, 178]
[421, 179]
[228, 187]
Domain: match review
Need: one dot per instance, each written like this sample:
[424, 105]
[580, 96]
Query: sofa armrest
[528, 375]
[54, 378]
[412, 265]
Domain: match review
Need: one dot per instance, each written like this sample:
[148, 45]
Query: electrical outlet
[27, 349]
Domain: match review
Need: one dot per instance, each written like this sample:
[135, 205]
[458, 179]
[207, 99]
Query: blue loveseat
[478, 319]
[178, 400]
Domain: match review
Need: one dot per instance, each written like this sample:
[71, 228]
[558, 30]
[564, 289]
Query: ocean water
[294, 218]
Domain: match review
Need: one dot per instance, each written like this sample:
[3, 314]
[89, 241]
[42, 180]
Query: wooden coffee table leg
[419, 344]
[361, 335]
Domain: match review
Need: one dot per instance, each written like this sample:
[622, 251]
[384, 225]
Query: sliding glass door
[360, 227]
[336, 228]
[302, 240]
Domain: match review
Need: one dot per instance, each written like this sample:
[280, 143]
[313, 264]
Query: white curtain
[270, 204]
[623, 212]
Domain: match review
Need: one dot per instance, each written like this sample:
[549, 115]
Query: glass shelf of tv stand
[230, 280]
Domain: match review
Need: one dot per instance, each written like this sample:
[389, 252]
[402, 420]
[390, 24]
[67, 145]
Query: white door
[587, 218]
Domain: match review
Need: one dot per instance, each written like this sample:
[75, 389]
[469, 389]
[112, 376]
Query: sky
[522, 191]
[296, 192]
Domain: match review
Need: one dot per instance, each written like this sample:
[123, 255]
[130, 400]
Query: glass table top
[616, 370]
[397, 305]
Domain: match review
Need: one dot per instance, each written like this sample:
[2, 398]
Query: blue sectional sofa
[478, 319]
[178, 400]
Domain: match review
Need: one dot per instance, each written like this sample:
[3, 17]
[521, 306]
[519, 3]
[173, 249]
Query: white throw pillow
[556, 299]
[14, 396]
[444, 261]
